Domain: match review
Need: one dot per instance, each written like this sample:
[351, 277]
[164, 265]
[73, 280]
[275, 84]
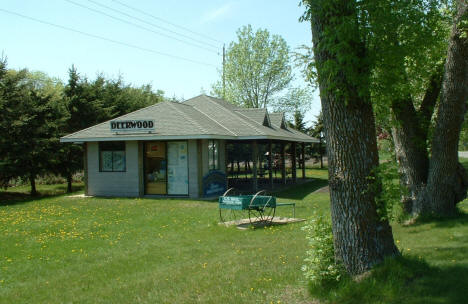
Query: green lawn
[21, 193]
[97, 250]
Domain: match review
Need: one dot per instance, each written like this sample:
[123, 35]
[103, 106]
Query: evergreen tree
[30, 124]
[85, 108]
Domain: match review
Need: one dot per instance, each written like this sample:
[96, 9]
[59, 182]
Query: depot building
[176, 149]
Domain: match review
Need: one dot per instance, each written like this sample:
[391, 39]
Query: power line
[138, 26]
[106, 39]
[152, 24]
[165, 21]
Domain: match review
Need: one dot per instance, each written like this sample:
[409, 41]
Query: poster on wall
[214, 183]
[177, 166]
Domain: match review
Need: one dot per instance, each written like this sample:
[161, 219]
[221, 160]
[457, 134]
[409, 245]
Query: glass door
[155, 168]
[177, 168]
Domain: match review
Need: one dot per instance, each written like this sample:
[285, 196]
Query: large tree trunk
[69, 182]
[32, 181]
[361, 238]
[447, 182]
[410, 133]
[410, 150]
[321, 152]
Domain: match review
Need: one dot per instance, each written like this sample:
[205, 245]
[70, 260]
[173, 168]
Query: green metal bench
[261, 208]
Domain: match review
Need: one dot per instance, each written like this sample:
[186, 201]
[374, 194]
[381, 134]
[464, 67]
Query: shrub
[50, 179]
[320, 266]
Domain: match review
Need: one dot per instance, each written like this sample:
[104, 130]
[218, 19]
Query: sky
[176, 46]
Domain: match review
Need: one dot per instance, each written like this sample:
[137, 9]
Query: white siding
[193, 168]
[113, 183]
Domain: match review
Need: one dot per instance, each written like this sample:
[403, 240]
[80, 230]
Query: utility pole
[224, 69]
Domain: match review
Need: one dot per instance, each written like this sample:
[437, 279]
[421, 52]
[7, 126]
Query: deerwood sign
[145, 125]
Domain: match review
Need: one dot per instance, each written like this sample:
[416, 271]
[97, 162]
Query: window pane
[215, 155]
[112, 146]
[119, 160]
[210, 154]
[106, 160]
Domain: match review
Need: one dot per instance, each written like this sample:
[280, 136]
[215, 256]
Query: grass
[100, 250]
[464, 162]
[22, 193]
[433, 267]
[62, 249]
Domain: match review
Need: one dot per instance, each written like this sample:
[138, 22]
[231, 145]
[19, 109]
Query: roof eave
[185, 137]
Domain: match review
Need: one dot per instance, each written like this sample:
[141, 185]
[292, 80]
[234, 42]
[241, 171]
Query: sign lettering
[146, 125]
[214, 184]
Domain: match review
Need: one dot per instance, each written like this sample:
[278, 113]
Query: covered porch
[253, 165]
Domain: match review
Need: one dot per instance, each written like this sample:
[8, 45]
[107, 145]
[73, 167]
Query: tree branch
[430, 97]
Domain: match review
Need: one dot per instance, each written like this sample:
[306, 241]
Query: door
[155, 168]
[177, 168]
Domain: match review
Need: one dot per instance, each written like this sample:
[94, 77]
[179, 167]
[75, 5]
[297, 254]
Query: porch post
[85, 167]
[283, 164]
[254, 168]
[293, 163]
[320, 151]
[270, 164]
[303, 160]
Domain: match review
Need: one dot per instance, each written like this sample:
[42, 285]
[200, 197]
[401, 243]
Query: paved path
[463, 154]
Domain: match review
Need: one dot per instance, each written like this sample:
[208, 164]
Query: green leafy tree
[410, 58]
[447, 180]
[295, 103]
[257, 67]
[407, 44]
[406, 47]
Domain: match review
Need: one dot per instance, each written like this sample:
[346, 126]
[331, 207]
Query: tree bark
[410, 133]
[361, 237]
[32, 181]
[320, 151]
[410, 150]
[69, 182]
[447, 181]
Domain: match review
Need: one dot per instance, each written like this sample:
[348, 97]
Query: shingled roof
[199, 117]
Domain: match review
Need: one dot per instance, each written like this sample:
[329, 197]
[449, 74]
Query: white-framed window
[112, 156]
[213, 154]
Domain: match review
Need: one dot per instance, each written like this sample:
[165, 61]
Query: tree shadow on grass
[8, 198]
[299, 192]
[403, 280]
[460, 218]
